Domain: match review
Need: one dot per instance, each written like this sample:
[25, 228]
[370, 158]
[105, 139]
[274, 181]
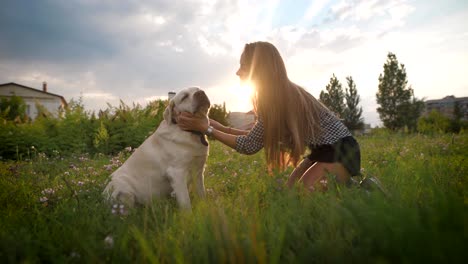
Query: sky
[104, 51]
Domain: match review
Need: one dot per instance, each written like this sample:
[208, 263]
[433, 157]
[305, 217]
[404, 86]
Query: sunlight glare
[246, 90]
[242, 95]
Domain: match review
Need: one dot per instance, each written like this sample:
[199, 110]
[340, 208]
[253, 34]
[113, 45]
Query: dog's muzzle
[203, 103]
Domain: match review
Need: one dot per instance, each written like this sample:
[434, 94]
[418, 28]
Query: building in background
[240, 120]
[170, 95]
[32, 97]
[449, 106]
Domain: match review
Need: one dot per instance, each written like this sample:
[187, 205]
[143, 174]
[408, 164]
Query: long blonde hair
[290, 114]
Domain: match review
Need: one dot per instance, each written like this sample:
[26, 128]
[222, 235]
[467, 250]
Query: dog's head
[192, 100]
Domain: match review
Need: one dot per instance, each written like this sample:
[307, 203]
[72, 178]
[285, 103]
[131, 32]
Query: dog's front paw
[119, 209]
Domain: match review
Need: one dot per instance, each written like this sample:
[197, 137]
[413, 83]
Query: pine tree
[353, 113]
[398, 106]
[333, 98]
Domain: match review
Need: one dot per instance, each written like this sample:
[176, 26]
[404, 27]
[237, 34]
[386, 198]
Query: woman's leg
[319, 170]
[299, 171]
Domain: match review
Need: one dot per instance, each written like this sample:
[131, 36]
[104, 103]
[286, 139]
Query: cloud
[126, 49]
[130, 48]
[314, 9]
[99, 95]
[140, 50]
[366, 10]
[51, 31]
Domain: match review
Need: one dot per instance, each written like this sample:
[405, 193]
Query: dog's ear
[168, 112]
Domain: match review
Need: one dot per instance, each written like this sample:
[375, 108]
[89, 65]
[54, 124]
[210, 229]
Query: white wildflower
[324, 182]
[48, 191]
[109, 241]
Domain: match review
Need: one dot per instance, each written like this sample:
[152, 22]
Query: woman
[290, 120]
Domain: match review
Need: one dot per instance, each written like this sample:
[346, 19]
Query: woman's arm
[249, 143]
[227, 139]
[228, 130]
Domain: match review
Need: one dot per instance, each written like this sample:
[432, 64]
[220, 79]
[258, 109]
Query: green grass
[247, 216]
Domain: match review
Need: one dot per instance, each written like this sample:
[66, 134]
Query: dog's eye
[184, 97]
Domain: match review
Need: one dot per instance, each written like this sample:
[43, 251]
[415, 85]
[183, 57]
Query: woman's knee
[316, 175]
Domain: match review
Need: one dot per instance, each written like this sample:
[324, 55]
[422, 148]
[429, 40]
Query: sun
[241, 96]
[246, 90]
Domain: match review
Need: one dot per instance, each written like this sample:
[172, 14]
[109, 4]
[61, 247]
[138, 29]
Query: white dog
[167, 161]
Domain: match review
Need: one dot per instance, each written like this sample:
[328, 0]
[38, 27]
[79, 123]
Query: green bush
[13, 109]
[435, 122]
[77, 131]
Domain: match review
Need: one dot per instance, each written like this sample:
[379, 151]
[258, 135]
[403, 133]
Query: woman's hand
[216, 124]
[187, 121]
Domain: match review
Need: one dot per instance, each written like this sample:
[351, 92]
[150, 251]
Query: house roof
[448, 99]
[36, 90]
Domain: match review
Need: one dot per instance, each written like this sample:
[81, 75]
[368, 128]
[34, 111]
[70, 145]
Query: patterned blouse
[332, 131]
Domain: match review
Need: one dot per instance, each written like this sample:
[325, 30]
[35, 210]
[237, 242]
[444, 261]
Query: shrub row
[79, 131]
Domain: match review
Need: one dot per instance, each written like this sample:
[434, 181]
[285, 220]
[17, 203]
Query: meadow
[52, 210]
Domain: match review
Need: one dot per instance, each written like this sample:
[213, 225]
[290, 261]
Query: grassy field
[52, 211]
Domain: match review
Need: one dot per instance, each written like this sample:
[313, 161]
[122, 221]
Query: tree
[333, 97]
[219, 113]
[416, 108]
[398, 106]
[352, 113]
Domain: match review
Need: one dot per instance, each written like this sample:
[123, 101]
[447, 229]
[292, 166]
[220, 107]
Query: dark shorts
[345, 151]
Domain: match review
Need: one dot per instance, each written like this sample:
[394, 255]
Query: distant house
[32, 97]
[240, 120]
[447, 106]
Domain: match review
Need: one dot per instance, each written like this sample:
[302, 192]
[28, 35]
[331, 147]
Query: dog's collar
[198, 133]
[202, 137]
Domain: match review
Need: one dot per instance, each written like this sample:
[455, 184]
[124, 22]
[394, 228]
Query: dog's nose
[201, 98]
[200, 93]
